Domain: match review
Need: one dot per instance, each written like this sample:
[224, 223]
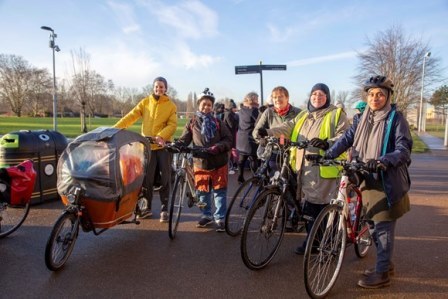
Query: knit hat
[232, 104]
[161, 79]
[322, 87]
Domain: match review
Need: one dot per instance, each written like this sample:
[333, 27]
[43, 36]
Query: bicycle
[334, 228]
[16, 187]
[246, 194]
[184, 187]
[265, 222]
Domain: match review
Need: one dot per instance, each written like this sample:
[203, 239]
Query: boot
[375, 281]
[370, 271]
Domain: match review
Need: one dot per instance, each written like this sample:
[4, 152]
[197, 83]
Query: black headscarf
[326, 90]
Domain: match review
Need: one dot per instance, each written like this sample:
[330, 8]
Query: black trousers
[160, 160]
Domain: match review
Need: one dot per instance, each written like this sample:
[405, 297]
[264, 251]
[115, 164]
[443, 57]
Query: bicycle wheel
[12, 217]
[263, 229]
[363, 237]
[61, 241]
[176, 204]
[239, 205]
[324, 252]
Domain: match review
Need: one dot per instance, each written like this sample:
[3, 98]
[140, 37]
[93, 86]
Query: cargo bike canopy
[106, 163]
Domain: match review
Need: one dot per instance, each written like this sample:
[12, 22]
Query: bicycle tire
[176, 204]
[240, 204]
[262, 233]
[12, 217]
[324, 252]
[62, 240]
[363, 237]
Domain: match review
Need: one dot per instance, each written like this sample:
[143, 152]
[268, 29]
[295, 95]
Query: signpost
[254, 69]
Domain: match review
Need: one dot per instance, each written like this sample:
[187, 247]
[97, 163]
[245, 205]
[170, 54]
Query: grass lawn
[71, 127]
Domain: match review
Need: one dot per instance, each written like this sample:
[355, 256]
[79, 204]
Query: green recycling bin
[43, 147]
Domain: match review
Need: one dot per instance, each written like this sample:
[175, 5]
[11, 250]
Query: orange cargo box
[105, 214]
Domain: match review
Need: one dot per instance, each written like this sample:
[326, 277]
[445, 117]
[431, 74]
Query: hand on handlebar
[159, 140]
[319, 143]
[374, 165]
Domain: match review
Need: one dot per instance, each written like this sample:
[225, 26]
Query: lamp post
[421, 127]
[54, 47]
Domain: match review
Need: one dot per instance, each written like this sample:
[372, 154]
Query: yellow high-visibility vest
[327, 130]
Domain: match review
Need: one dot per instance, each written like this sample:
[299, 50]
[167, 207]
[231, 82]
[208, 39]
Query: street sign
[273, 67]
[247, 69]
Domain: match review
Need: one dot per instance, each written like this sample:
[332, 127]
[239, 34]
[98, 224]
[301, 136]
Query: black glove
[319, 143]
[313, 157]
[372, 165]
[201, 154]
[262, 132]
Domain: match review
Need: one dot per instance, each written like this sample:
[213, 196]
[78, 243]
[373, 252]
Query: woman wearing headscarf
[380, 136]
[210, 168]
[322, 123]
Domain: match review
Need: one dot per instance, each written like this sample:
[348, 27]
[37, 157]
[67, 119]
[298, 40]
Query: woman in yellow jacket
[159, 121]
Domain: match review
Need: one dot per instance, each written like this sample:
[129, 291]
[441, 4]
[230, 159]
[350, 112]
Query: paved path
[433, 143]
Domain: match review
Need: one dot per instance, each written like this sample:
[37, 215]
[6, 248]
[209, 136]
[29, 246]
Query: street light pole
[421, 127]
[54, 47]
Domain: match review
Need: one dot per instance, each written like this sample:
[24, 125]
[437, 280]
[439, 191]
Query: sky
[197, 43]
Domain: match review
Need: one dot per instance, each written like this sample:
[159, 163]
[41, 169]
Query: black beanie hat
[323, 87]
[161, 79]
[232, 104]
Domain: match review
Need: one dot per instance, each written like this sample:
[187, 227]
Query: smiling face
[159, 88]
[205, 106]
[279, 99]
[376, 98]
[318, 98]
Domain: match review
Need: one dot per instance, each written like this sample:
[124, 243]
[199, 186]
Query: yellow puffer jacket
[159, 118]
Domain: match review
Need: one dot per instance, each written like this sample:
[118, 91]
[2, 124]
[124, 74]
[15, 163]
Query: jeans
[220, 196]
[383, 234]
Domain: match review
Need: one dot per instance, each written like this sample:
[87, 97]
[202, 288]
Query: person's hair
[250, 98]
[281, 89]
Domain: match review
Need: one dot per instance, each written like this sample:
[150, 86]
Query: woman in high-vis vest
[322, 123]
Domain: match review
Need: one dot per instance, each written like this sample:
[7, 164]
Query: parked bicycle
[335, 228]
[265, 222]
[247, 192]
[100, 177]
[183, 192]
[16, 188]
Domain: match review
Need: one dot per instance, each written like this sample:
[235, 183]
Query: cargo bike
[100, 177]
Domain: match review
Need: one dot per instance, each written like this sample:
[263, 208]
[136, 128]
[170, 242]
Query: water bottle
[352, 207]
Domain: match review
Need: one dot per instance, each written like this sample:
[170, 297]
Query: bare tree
[393, 54]
[15, 87]
[40, 97]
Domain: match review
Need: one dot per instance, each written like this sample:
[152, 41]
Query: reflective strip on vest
[327, 130]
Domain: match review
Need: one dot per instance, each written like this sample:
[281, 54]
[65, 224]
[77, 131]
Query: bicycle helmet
[379, 82]
[207, 94]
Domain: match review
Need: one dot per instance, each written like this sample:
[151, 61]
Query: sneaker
[164, 217]
[220, 226]
[147, 213]
[375, 281]
[301, 250]
[370, 271]
[231, 171]
[204, 222]
[157, 187]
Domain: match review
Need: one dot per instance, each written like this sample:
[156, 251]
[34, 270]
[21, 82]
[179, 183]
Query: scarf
[368, 139]
[208, 128]
[283, 112]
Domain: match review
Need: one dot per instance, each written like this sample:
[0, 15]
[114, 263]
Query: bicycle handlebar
[284, 142]
[180, 148]
[355, 166]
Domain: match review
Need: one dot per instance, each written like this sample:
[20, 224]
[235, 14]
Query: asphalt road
[141, 261]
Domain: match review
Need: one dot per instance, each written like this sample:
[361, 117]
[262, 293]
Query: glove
[262, 132]
[200, 155]
[319, 143]
[372, 165]
[213, 150]
[313, 157]
[263, 142]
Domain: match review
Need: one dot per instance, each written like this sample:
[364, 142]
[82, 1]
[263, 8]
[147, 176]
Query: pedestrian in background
[210, 168]
[159, 121]
[380, 136]
[245, 142]
[231, 120]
